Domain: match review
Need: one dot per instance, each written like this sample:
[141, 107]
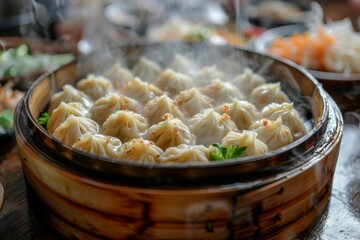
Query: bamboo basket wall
[235, 200]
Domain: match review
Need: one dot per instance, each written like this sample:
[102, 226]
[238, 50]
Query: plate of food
[329, 51]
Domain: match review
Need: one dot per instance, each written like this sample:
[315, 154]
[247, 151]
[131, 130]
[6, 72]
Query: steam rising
[102, 38]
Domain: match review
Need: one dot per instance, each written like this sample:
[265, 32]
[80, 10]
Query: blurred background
[123, 21]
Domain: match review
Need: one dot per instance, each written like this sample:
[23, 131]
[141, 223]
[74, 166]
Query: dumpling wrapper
[273, 133]
[173, 82]
[125, 125]
[67, 95]
[247, 81]
[170, 133]
[192, 101]
[290, 117]
[155, 109]
[73, 128]
[140, 150]
[95, 86]
[141, 91]
[210, 127]
[242, 113]
[247, 139]
[62, 112]
[99, 145]
[268, 93]
[111, 103]
[186, 154]
[222, 92]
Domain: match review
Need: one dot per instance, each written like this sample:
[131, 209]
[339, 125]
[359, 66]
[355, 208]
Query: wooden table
[340, 221]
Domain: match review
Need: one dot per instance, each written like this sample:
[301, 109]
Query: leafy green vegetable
[17, 61]
[6, 119]
[219, 153]
[43, 119]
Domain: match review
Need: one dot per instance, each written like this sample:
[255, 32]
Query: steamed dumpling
[170, 133]
[141, 91]
[206, 74]
[125, 125]
[247, 139]
[95, 86]
[182, 64]
[67, 95]
[62, 112]
[242, 113]
[104, 107]
[222, 92]
[210, 127]
[73, 128]
[266, 94]
[140, 150]
[155, 109]
[146, 69]
[185, 154]
[98, 144]
[173, 82]
[289, 115]
[130, 104]
[273, 133]
[192, 101]
[119, 75]
[111, 103]
[247, 81]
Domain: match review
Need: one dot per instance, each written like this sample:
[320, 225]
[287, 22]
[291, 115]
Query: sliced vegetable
[219, 153]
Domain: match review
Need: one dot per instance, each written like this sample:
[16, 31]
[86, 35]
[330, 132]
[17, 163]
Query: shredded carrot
[305, 49]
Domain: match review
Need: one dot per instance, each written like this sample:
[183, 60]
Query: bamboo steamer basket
[274, 196]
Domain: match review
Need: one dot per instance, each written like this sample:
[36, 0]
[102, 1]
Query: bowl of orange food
[204, 141]
[329, 51]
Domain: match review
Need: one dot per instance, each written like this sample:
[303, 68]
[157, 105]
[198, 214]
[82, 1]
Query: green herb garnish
[219, 153]
[6, 119]
[43, 119]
